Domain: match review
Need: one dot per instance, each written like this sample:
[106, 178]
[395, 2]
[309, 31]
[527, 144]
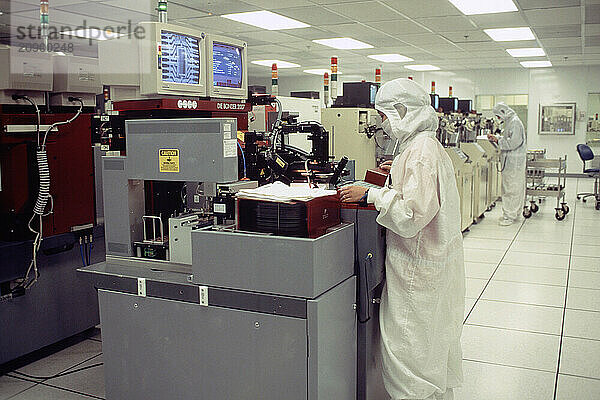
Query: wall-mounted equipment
[557, 119]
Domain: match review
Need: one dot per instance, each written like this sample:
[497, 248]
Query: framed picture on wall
[557, 119]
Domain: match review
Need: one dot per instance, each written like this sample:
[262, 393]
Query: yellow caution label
[168, 160]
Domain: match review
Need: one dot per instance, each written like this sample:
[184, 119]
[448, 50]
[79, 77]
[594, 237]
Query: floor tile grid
[494, 272]
[562, 328]
[45, 381]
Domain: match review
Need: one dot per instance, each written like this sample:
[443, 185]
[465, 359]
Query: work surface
[519, 336]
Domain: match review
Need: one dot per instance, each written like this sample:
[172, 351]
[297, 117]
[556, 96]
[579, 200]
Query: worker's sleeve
[514, 138]
[407, 210]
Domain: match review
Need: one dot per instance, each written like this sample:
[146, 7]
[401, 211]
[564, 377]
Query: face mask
[387, 127]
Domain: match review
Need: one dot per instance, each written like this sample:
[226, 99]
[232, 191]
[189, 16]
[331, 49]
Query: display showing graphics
[179, 58]
[227, 66]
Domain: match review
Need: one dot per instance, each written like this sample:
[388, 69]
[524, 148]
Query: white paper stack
[281, 192]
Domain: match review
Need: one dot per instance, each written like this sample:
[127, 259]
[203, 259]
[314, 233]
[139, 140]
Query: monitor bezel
[151, 82]
[223, 91]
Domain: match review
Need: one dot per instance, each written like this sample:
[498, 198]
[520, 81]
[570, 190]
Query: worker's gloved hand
[492, 138]
[386, 165]
[352, 194]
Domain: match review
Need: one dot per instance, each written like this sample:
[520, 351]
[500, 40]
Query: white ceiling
[431, 31]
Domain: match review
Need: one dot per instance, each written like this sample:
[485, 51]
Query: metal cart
[538, 186]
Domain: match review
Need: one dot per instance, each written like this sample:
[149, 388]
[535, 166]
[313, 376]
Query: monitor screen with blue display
[227, 66]
[179, 58]
[373, 93]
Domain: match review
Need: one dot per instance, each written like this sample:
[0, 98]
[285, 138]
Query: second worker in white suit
[513, 145]
[422, 303]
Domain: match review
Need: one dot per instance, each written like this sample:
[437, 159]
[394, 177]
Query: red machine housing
[71, 168]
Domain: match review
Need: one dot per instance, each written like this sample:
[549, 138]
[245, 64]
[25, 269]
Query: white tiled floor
[519, 339]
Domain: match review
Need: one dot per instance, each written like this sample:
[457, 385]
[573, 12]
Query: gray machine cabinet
[273, 264]
[204, 144]
[196, 352]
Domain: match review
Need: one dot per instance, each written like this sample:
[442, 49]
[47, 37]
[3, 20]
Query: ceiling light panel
[527, 52]
[320, 71]
[280, 64]
[266, 20]
[510, 34]
[344, 43]
[536, 64]
[474, 7]
[422, 67]
[390, 58]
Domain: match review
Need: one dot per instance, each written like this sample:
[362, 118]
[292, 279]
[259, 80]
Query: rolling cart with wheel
[538, 186]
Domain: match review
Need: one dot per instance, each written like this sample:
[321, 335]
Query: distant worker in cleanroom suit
[513, 145]
[422, 304]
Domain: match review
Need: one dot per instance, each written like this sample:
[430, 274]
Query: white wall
[544, 86]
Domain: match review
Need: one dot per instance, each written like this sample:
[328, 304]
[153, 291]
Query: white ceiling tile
[271, 37]
[424, 39]
[218, 7]
[502, 20]
[315, 15]
[54, 3]
[420, 9]
[592, 13]
[592, 29]
[490, 45]
[177, 11]
[558, 31]
[365, 11]
[279, 4]
[143, 6]
[306, 33]
[448, 24]
[591, 41]
[399, 27]
[222, 24]
[561, 42]
[560, 51]
[471, 37]
[353, 30]
[550, 16]
[8, 6]
[529, 4]
[592, 50]
[106, 11]
[441, 47]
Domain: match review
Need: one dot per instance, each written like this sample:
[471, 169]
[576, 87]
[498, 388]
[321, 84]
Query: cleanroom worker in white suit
[513, 145]
[422, 303]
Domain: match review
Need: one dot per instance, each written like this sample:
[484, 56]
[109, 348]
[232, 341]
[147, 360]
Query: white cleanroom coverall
[422, 303]
[513, 145]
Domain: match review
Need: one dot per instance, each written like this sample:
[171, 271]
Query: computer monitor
[465, 105]
[449, 104]
[435, 101]
[226, 68]
[172, 60]
[358, 94]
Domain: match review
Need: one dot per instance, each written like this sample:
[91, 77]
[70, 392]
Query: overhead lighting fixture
[473, 7]
[391, 58]
[422, 67]
[510, 34]
[528, 52]
[320, 71]
[280, 64]
[344, 43]
[536, 64]
[266, 20]
[92, 33]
